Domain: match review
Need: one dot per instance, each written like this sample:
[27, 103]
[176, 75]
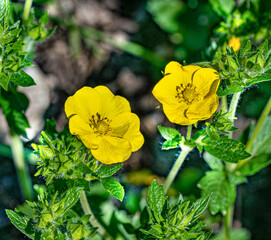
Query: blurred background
[125, 45]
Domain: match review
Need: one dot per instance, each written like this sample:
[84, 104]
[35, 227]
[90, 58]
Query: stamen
[187, 94]
[100, 125]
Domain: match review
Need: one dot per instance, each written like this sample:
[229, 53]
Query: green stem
[87, 210]
[227, 222]
[228, 218]
[224, 104]
[233, 106]
[27, 7]
[189, 131]
[21, 168]
[176, 167]
[263, 116]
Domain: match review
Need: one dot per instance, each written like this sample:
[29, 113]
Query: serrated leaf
[82, 168]
[245, 49]
[107, 171]
[156, 197]
[113, 187]
[261, 78]
[71, 197]
[168, 133]
[255, 165]
[222, 192]
[226, 149]
[200, 205]
[20, 221]
[22, 79]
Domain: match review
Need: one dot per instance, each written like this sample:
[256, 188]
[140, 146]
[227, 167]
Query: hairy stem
[189, 131]
[227, 223]
[87, 210]
[27, 7]
[233, 106]
[176, 167]
[228, 218]
[21, 168]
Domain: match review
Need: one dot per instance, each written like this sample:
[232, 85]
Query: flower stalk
[27, 7]
[24, 178]
[189, 131]
[233, 107]
[176, 167]
[227, 219]
[87, 210]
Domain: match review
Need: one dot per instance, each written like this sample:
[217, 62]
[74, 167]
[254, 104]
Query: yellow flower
[235, 43]
[187, 93]
[104, 123]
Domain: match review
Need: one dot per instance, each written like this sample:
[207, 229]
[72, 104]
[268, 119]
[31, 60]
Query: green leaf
[171, 144]
[255, 165]
[262, 142]
[82, 168]
[223, 7]
[226, 149]
[261, 78]
[229, 88]
[20, 221]
[71, 197]
[200, 205]
[4, 10]
[113, 187]
[22, 79]
[222, 191]
[240, 234]
[245, 49]
[107, 171]
[213, 162]
[156, 197]
[168, 133]
[4, 80]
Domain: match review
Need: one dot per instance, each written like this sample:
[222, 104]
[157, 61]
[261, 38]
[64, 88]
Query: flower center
[187, 94]
[101, 126]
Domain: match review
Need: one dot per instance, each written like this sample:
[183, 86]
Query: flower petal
[206, 80]
[203, 109]
[111, 105]
[133, 135]
[183, 74]
[85, 103]
[77, 125]
[83, 131]
[175, 114]
[112, 150]
[165, 90]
